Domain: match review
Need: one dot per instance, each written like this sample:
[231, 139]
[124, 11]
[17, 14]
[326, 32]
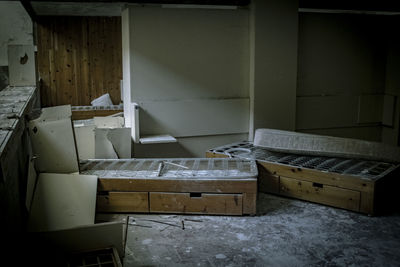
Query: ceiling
[114, 8]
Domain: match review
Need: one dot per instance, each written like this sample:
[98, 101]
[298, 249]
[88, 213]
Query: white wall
[341, 75]
[189, 73]
[273, 70]
[390, 134]
[16, 27]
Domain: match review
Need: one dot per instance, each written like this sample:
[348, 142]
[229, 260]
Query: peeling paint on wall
[16, 28]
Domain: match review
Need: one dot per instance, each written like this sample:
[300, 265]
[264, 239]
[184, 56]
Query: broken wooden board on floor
[53, 141]
[352, 184]
[63, 201]
[193, 186]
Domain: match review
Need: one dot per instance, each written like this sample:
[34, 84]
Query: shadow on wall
[168, 150]
[173, 54]
[3, 77]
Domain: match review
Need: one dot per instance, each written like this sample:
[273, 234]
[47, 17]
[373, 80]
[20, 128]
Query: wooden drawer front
[324, 194]
[227, 204]
[123, 202]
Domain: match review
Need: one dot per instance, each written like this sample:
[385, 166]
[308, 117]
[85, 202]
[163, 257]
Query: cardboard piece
[63, 201]
[53, 141]
[109, 122]
[112, 143]
[84, 136]
[84, 238]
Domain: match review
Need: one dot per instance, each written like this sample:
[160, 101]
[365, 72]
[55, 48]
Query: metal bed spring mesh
[185, 168]
[357, 167]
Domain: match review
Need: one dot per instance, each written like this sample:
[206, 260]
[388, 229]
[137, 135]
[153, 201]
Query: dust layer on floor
[285, 232]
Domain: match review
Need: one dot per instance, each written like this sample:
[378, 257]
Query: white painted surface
[187, 53]
[391, 135]
[194, 117]
[126, 65]
[389, 108]
[156, 139]
[273, 34]
[88, 237]
[55, 113]
[53, 143]
[21, 65]
[186, 146]
[326, 112]
[16, 28]
[177, 62]
[370, 108]
[341, 74]
[84, 136]
[112, 143]
[340, 54]
[108, 122]
[63, 201]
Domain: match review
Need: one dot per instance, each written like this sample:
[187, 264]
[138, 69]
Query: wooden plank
[320, 193]
[215, 155]
[207, 117]
[227, 204]
[367, 204]
[79, 59]
[85, 96]
[267, 182]
[123, 202]
[165, 185]
[249, 203]
[327, 178]
[89, 114]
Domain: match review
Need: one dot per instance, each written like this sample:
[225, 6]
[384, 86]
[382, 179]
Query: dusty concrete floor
[286, 232]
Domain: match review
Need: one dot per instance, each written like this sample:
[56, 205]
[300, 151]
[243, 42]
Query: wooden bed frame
[356, 185]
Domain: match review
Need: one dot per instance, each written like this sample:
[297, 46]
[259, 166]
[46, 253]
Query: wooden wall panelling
[79, 59]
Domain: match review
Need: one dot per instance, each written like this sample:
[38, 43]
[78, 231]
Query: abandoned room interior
[200, 133]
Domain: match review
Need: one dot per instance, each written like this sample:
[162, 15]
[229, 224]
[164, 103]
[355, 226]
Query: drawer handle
[318, 185]
[198, 195]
